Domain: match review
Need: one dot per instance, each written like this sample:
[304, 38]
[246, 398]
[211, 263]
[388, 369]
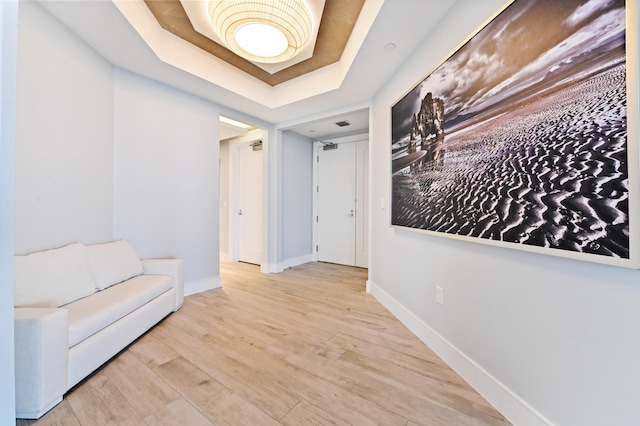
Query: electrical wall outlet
[439, 295]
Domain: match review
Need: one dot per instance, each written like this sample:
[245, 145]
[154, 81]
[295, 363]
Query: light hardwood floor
[305, 347]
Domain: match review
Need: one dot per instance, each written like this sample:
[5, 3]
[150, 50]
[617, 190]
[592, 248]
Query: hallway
[306, 346]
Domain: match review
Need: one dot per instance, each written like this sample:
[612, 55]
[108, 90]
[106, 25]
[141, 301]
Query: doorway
[249, 200]
[341, 204]
[242, 198]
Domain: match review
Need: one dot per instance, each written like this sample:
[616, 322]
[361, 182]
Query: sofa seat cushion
[89, 315]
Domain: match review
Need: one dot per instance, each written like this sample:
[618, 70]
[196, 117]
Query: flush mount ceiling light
[267, 31]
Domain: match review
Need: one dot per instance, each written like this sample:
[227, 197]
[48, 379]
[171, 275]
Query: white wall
[64, 163]
[103, 155]
[561, 335]
[166, 174]
[8, 65]
[297, 190]
[84, 134]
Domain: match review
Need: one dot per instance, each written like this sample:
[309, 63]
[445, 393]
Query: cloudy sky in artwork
[526, 42]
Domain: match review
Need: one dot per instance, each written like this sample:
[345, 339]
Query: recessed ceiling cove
[336, 24]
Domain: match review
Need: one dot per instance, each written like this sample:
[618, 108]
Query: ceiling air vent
[343, 123]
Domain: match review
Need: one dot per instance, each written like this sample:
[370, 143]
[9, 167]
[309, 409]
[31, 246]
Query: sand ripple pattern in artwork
[551, 173]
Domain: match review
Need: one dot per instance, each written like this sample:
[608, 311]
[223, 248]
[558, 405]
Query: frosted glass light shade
[236, 20]
[262, 40]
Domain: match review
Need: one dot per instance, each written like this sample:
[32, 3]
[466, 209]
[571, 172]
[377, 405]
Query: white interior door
[336, 208]
[249, 205]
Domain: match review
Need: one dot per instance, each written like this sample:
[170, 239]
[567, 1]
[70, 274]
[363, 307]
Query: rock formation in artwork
[428, 125]
[430, 118]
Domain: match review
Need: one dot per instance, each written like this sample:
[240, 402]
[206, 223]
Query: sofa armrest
[171, 267]
[41, 359]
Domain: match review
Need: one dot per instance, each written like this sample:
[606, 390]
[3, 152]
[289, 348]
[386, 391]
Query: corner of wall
[295, 261]
[8, 66]
[199, 286]
[271, 268]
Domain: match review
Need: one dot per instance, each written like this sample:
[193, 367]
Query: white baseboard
[271, 268]
[204, 284]
[514, 408]
[274, 268]
[295, 261]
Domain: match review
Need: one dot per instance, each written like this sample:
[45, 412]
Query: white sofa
[76, 307]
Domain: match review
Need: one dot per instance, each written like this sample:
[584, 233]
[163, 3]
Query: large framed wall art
[526, 136]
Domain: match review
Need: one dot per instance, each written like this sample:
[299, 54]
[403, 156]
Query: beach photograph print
[521, 135]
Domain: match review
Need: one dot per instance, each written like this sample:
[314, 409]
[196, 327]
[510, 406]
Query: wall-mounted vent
[343, 123]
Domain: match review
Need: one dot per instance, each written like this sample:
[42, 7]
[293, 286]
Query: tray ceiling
[336, 25]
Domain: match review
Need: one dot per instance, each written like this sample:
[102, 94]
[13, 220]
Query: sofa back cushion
[53, 278]
[113, 263]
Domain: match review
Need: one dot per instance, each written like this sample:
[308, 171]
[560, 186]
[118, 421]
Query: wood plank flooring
[305, 347]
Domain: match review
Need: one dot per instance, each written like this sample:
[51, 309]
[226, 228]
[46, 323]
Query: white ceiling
[326, 127]
[405, 23]
[228, 131]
